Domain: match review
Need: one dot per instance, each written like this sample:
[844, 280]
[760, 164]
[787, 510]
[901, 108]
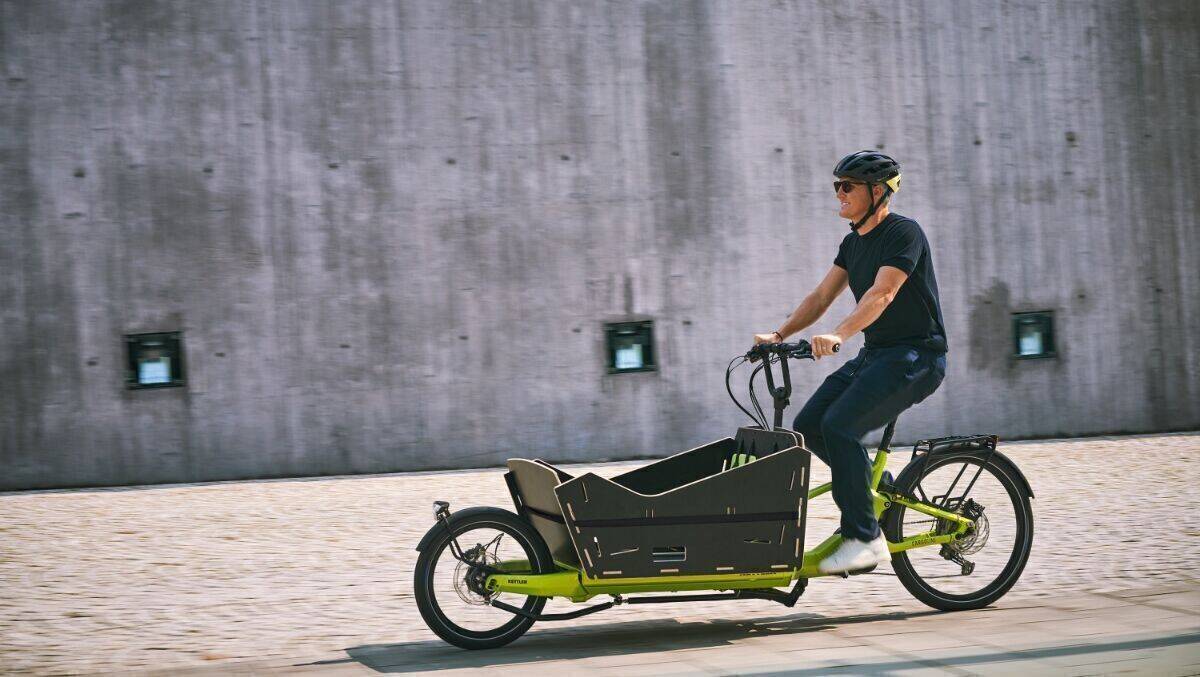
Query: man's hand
[824, 344]
[773, 337]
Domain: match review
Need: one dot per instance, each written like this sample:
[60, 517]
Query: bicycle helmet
[871, 167]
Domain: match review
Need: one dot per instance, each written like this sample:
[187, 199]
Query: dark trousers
[865, 394]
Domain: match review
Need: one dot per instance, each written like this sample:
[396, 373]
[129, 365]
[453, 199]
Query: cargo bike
[726, 519]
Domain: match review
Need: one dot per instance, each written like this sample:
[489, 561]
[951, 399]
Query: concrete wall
[391, 231]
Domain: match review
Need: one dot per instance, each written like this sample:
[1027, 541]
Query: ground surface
[262, 576]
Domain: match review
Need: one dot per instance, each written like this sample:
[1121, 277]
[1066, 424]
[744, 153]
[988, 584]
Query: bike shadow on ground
[628, 638]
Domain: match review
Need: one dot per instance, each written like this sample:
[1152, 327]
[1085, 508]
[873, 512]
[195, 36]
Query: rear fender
[1005, 461]
[438, 528]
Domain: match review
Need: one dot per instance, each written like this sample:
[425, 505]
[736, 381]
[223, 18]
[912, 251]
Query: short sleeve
[903, 248]
[840, 259]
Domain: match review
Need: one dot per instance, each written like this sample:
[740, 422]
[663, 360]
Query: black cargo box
[733, 506]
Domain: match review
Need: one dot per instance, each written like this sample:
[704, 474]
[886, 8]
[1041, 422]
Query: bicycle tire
[1007, 475]
[423, 585]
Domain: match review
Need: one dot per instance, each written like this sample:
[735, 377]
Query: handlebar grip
[837, 347]
[799, 349]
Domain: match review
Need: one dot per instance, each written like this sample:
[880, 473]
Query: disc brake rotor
[477, 555]
[974, 541]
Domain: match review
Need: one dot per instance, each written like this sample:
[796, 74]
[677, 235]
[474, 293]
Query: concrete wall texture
[391, 232]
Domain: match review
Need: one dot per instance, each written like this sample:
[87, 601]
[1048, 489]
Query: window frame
[173, 342]
[649, 354]
[1049, 346]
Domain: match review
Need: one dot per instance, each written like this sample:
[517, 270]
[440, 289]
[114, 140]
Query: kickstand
[787, 599]
[794, 595]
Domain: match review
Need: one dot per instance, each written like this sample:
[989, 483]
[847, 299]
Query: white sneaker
[880, 546]
[854, 555]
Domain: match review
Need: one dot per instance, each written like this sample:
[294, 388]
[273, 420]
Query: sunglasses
[846, 186]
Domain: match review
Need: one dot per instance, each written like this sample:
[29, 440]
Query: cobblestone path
[120, 579]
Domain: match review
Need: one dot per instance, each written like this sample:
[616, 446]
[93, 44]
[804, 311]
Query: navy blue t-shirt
[914, 317]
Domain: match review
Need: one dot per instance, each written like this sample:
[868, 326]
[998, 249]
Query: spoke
[457, 602]
[494, 544]
[946, 503]
[963, 490]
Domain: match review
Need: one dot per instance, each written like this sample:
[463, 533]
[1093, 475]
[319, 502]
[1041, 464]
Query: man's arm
[816, 303]
[887, 283]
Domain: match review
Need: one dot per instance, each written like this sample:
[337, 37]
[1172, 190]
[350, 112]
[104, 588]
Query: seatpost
[887, 435]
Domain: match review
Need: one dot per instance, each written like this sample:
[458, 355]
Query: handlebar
[799, 350]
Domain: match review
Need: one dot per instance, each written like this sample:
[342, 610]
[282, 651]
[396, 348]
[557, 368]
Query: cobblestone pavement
[276, 571]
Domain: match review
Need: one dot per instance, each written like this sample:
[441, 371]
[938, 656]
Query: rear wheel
[453, 605]
[980, 567]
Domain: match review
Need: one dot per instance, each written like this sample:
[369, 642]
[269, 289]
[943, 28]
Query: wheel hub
[477, 580]
[977, 536]
[471, 572]
[969, 543]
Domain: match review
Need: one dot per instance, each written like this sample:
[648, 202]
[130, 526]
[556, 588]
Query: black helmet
[870, 166]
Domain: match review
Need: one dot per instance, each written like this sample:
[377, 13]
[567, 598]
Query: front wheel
[980, 567]
[451, 605]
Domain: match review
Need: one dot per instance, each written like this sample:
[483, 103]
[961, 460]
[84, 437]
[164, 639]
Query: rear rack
[924, 450]
[955, 442]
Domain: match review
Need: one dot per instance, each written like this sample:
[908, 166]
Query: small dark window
[630, 346]
[155, 360]
[1033, 335]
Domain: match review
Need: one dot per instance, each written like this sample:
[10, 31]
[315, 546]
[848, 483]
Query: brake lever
[755, 353]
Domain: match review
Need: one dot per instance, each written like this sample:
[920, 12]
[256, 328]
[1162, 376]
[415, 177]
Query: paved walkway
[260, 576]
[1154, 632]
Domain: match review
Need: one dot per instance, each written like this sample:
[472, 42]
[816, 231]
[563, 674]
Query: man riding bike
[886, 262]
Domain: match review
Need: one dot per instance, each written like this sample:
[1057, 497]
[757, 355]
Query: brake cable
[729, 389]
[762, 420]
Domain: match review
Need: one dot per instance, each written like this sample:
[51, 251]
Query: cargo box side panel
[743, 520]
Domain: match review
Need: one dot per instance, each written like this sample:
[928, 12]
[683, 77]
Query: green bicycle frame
[574, 584]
